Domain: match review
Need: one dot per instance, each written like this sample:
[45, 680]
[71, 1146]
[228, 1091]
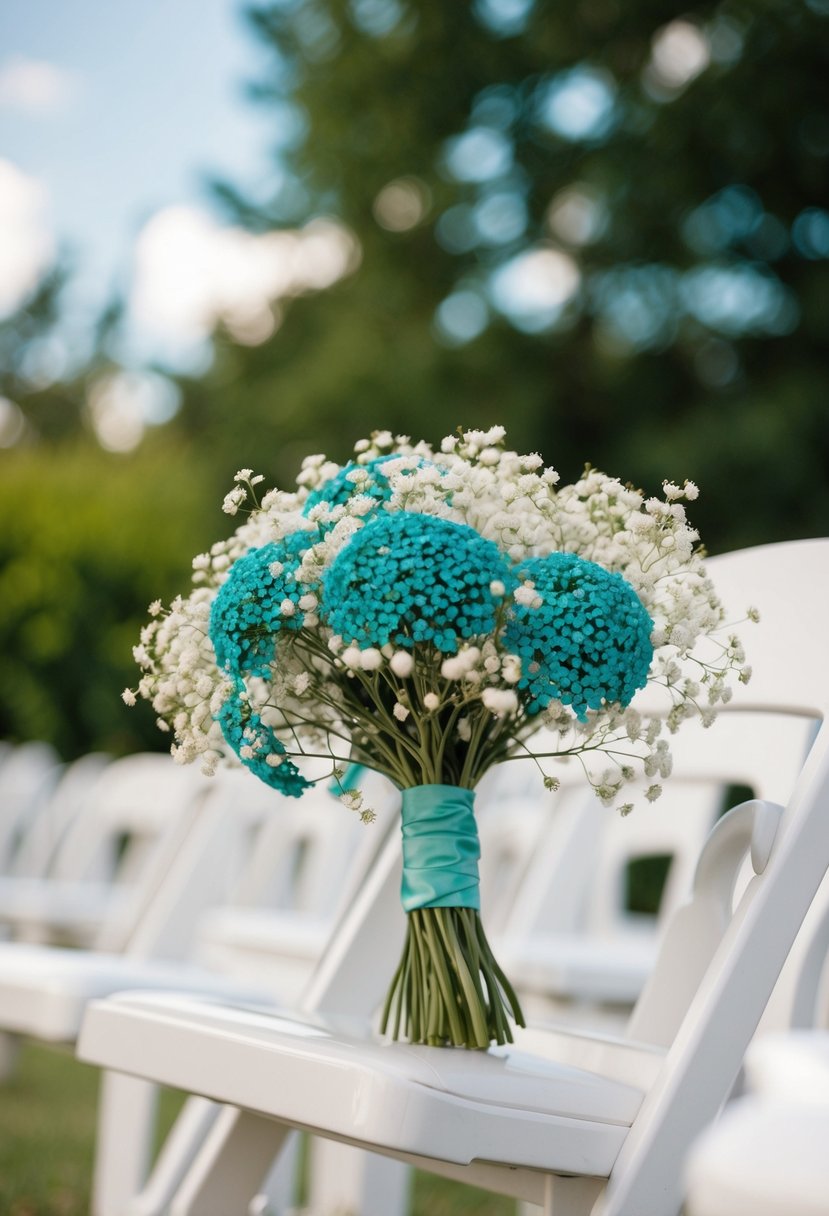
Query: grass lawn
[47, 1131]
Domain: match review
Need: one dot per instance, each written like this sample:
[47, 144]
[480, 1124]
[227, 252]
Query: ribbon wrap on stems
[440, 848]
[448, 990]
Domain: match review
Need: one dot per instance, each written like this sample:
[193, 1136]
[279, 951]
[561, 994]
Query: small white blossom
[371, 659]
[431, 702]
[400, 711]
[352, 658]
[500, 700]
[233, 500]
[128, 696]
[401, 663]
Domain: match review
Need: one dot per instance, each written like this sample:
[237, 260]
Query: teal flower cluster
[407, 578]
[588, 642]
[247, 615]
[243, 728]
[338, 490]
[245, 619]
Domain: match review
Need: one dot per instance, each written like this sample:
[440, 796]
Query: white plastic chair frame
[110, 858]
[592, 1124]
[29, 773]
[767, 1155]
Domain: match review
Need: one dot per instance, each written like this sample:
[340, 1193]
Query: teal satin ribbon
[440, 848]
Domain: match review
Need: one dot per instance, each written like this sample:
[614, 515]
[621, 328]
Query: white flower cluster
[411, 712]
[181, 680]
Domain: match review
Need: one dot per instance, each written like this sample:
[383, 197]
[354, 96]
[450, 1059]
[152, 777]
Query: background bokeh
[603, 225]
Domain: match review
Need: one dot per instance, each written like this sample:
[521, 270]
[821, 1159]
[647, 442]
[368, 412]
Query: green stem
[448, 990]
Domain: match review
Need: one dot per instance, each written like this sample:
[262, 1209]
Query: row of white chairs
[552, 882]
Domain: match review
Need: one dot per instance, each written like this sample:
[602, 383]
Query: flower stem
[448, 990]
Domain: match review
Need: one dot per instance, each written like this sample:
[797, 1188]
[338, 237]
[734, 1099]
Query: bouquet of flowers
[432, 613]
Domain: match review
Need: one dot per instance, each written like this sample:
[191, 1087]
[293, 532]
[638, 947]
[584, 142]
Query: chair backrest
[28, 774]
[301, 850]
[737, 947]
[560, 863]
[53, 846]
[141, 809]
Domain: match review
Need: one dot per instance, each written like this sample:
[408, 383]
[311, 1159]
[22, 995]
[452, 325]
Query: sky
[112, 117]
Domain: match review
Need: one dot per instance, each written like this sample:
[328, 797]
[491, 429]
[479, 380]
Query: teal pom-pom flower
[259, 599]
[406, 578]
[343, 486]
[586, 644]
[256, 745]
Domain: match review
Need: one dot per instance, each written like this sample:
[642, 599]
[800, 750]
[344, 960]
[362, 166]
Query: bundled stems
[448, 990]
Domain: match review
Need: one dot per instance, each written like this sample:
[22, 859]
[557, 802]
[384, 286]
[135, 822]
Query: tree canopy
[605, 226]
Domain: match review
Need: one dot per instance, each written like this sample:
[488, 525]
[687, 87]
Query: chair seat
[60, 907]
[502, 1105]
[280, 947]
[44, 990]
[579, 967]
[265, 931]
[763, 1158]
[793, 1066]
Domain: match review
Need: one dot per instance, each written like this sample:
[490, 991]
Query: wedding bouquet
[429, 614]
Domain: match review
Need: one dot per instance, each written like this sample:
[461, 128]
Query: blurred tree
[35, 400]
[605, 225]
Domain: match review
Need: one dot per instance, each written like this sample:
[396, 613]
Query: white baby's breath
[324, 689]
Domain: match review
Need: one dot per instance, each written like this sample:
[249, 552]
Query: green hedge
[87, 540]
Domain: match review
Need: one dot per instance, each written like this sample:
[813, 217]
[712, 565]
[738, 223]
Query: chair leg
[126, 1123]
[181, 1146]
[228, 1171]
[346, 1180]
[279, 1192]
[570, 1196]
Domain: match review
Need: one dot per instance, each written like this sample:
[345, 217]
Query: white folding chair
[579, 1122]
[594, 965]
[28, 774]
[237, 840]
[767, 1154]
[121, 843]
[54, 846]
[299, 872]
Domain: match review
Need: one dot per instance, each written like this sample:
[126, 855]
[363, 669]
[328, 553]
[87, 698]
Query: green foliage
[47, 1130]
[86, 542]
[692, 346]
[695, 343]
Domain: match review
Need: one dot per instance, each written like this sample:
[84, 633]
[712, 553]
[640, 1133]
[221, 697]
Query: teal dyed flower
[254, 742]
[406, 578]
[337, 490]
[587, 643]
[259, 598]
